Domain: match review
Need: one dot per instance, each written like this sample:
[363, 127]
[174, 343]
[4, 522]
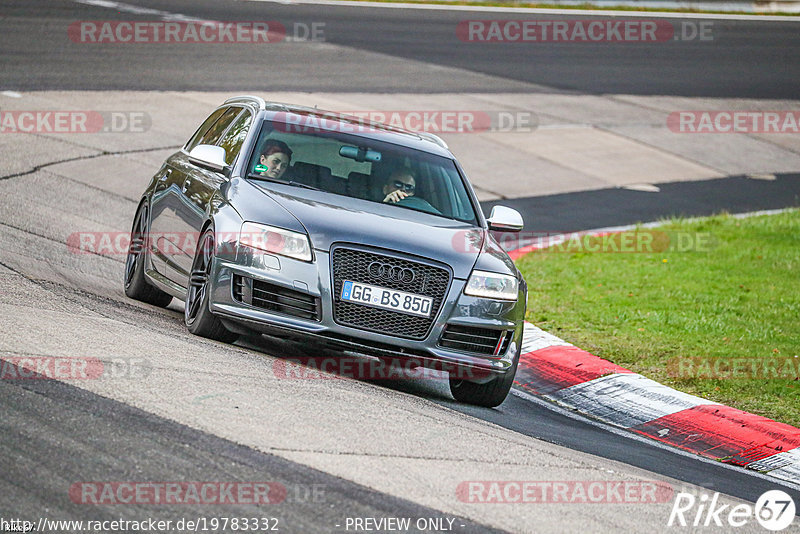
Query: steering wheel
[418, 203]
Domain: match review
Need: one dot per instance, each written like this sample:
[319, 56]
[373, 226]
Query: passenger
[275, 159]
[400, 185]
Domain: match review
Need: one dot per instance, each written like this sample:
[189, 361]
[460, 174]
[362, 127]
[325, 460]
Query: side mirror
[505, 219]
[208, 156]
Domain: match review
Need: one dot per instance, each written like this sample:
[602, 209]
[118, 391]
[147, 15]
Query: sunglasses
[404, 186]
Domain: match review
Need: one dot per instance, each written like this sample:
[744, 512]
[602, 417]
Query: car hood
[331, 219]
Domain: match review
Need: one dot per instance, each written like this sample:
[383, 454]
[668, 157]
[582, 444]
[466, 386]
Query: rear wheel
[198, 318]
[136, 286]
[488, 394]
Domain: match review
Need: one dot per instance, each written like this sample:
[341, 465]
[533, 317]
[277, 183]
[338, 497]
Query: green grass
[586, 6]
[740, 298]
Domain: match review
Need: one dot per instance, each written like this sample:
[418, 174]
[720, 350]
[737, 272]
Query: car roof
[424, 141]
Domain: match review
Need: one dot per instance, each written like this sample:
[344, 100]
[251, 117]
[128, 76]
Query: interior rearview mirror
[360, 153]
[505, 219]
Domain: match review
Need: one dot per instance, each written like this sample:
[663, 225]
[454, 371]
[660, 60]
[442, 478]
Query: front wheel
[488, 394]
[198, 318]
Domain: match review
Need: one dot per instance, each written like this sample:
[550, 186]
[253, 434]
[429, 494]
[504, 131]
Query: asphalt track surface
[744, 59]
[50, 428]
[604, 208]
[123, 440]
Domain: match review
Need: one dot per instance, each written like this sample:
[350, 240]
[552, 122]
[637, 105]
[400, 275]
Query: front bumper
[315, 280]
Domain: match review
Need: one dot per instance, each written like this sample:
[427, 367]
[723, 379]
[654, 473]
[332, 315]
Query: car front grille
[276, 298]
[354, 265]
[473, 339]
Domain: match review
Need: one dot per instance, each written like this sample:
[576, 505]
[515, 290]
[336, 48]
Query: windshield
[361, 168]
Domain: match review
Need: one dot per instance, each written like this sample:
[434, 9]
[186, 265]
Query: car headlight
[276, 240]
[492, 286]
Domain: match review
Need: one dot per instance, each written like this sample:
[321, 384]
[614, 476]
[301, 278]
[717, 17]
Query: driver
[275, 159]
[400, 185]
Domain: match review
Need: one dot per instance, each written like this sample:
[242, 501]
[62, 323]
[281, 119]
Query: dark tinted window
[204, 128]
[211, 135]
[233, 139]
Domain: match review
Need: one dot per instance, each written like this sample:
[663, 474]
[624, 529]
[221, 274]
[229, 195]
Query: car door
[201, 185]
[162, 212]
[171, 211]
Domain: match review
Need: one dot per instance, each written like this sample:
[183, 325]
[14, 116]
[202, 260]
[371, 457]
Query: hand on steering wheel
[395, 196]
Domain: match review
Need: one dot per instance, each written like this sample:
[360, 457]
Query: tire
[197, 317]
[136, 286]
[489, 394]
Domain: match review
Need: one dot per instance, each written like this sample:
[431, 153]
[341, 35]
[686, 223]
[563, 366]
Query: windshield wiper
[285, 182]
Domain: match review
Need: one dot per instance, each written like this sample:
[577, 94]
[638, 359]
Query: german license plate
[390, 299]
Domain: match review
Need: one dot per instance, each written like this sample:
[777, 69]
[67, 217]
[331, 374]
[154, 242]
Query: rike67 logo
[774, 510]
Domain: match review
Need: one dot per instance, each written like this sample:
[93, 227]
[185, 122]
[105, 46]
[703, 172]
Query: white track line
[122, 7]
[539, 11]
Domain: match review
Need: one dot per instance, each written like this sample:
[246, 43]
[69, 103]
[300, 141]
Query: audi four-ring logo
[392, 273]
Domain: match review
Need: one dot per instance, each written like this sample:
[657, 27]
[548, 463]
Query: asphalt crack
[93, 187]
[405, 457]
[85, 158]
[58, 241]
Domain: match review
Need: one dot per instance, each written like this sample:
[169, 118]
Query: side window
[195, 140]
[210, 135]
[233, 139]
